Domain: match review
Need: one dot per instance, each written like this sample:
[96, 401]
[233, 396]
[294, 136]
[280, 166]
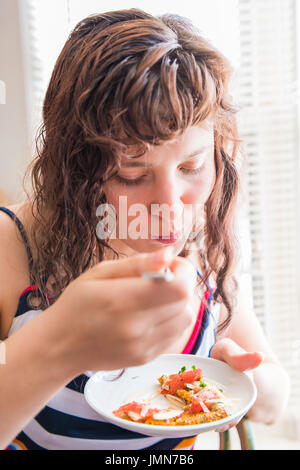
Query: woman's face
[170, 183]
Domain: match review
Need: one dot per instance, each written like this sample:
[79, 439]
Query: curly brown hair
[126, 78]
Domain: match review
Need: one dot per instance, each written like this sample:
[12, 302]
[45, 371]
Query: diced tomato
[196, 406]
[210, 394]
[132, 406]
[205, 397]
[178, 381]
[142, 409]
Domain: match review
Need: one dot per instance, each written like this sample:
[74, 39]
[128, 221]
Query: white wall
[14, 140]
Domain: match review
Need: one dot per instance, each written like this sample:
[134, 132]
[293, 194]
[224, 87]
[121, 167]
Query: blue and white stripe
[69, 423]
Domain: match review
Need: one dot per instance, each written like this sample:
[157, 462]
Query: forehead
[195, 140]
[199, 136]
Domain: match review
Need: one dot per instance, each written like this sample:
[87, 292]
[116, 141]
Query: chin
[148, 246]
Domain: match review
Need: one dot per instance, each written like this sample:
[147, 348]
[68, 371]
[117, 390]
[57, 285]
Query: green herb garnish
[201, 383]
[193, 367]
[183, 369]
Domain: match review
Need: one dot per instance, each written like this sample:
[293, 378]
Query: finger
[158, 341]
[137, 293]
[185, 271]
[171, 312]
[222, 429]
[228, 426]
[159, 315]
[163, 337]
[132, 297]
[230, 352]
[133, 266]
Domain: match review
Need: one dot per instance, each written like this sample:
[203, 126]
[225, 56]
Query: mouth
[169, 239]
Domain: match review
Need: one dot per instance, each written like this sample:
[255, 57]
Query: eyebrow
[149, 165]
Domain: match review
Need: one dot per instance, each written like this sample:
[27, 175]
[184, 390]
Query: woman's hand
[230, 352]
[111, 318]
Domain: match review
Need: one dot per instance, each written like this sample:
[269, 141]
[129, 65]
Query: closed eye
[192, 171]
[127, 182]
[132, 182]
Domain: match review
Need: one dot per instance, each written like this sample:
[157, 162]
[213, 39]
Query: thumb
[230, 352]
[133, 266]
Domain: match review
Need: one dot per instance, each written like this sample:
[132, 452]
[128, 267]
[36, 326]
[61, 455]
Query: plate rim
[179, 428]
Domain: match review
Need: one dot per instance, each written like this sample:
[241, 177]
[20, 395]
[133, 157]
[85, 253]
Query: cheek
[122, 200]
[200, 190]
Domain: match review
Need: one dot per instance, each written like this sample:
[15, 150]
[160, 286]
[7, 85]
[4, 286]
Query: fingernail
[221, 429]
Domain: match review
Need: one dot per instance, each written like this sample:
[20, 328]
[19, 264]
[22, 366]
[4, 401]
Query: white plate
[138, 382]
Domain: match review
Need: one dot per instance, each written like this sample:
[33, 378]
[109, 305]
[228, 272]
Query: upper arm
[244, 327]
[14, 272]
[2, 269]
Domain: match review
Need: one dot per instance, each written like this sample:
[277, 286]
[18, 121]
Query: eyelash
[126, 182]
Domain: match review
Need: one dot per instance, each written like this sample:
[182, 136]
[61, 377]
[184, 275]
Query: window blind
[44, 27]
[267, 90]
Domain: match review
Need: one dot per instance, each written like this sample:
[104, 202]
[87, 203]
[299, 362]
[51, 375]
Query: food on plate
[188, 399]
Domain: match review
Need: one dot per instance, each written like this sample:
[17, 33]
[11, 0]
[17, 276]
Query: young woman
[137, 109]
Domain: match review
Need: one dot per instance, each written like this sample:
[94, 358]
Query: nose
[168, 189]
[168, 200]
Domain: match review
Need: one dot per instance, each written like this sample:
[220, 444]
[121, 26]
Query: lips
[171, 238]
[167, 230]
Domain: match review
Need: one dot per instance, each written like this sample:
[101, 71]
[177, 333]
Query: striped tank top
[67, 422]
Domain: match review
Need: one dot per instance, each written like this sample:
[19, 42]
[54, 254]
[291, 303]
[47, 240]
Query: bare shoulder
[14, 269]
